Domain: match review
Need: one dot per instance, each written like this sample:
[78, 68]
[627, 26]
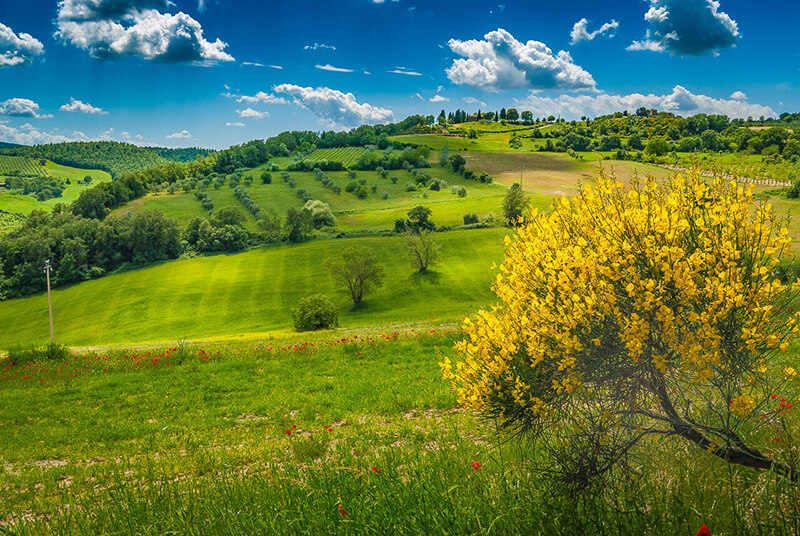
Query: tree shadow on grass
[429, 277]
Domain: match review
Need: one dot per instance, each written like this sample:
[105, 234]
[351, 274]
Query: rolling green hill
[113, 157]
[254, 292]
[25, 204]
[370, 213]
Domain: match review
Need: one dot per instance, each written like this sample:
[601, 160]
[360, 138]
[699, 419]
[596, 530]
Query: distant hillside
[7, 145]
[113, 157]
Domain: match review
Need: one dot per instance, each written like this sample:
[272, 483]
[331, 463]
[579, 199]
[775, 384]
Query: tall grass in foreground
[352, 435]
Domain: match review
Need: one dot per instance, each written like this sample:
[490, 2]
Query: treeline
[111, 156]
[41, 188]
[655, 135]
[81, 248]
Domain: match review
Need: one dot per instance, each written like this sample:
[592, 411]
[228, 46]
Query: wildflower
[376, 470]
[288, 432]
[789, 373]
[342, 511]
[704, 531]
[476, 465]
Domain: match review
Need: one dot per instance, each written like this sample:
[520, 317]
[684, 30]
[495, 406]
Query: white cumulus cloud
[17, 49]
[739, 95]
[335, 108]
[249, 113]
[687, 27]
[581, 33]
[81, 107]
[18, 107]
[438, 98]
[183, 134]
[109, 29]
[261, 96]
[499, 62]
[680, 101]
[31, 136]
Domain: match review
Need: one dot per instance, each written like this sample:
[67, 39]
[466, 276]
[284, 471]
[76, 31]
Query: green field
[20, 165]
[25, 204]
[254, 292]
[371, 213]
[330, 433]
[347, 156]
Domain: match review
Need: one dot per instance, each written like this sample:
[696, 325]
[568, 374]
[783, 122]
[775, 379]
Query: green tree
[657, 146]
[457, 162]
[321, 215]
[270, 222]
[527, 116]
[514, 204]
[512, 114]
[298, 224]
[710, 140]
[315, 312]
[635, 142]
[228, 216]
[423, 250]
[419, 218]
[357, 271]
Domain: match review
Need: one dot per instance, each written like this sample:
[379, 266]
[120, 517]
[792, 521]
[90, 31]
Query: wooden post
[49, 300]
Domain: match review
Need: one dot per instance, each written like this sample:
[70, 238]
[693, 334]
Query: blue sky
[218, 72]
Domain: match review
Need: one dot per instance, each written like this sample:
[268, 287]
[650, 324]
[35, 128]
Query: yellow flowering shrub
[628, 312]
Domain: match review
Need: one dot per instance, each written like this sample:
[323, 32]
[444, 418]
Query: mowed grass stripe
[254, 292]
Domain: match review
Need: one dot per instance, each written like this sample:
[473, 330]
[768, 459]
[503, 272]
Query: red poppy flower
[476, 465]
[704, 531]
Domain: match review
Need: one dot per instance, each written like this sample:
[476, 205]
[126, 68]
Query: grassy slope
[371, 213]
[24, 204]
[254, 292]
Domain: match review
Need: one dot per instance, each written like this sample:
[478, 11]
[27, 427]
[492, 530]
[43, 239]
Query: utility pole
[47, 270]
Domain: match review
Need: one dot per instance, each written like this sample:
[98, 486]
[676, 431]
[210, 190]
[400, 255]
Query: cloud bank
[680, 102]
[335, 108]
[499, 62]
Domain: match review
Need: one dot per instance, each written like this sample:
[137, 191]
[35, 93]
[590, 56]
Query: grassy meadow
[321, 433]
[25, 204]
[254, 292]
[372, 213]
[190, 405]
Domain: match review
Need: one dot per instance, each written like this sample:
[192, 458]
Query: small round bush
[315, 312]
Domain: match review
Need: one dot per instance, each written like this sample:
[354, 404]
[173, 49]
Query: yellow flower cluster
[672, 280]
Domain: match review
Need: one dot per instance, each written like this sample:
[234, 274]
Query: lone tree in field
[423, 250]
[357, 271]
[514, 204]
[649, 313]
[419, 219]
